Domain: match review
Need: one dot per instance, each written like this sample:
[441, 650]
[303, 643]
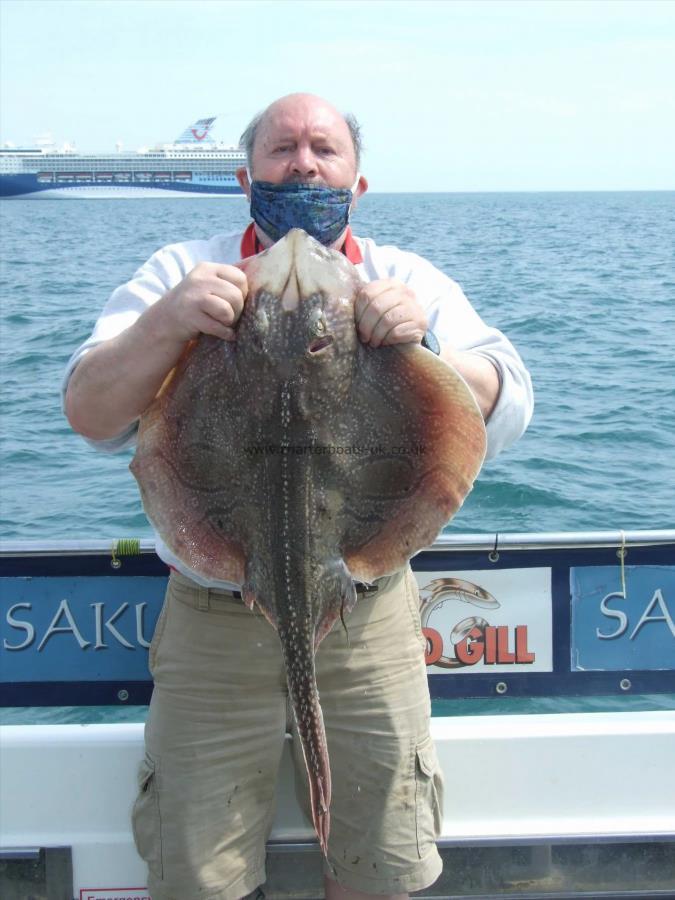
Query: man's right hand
[114, 383]
[209, 300]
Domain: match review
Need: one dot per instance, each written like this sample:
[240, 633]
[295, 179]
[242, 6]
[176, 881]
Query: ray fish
[296, 461]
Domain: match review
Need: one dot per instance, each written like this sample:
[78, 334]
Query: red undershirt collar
[250, 245]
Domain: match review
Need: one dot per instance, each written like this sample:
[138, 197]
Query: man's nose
[304, 161]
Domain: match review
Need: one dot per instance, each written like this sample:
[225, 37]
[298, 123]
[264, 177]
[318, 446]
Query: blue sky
[452, 96]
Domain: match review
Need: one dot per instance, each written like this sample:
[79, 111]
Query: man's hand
[116, 381]
[387, 312]
[209, 300]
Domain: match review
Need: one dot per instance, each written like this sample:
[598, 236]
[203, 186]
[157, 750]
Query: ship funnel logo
[196, 133]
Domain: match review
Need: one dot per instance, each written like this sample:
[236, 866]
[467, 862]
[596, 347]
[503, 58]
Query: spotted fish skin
[275, 462]
[299, 581]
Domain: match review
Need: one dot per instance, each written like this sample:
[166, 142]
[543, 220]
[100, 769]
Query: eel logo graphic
[472, 639]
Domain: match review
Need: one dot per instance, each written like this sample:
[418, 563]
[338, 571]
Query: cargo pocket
[145, 818]
[428, 796]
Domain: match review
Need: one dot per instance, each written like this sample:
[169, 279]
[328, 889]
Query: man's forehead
[292, 119]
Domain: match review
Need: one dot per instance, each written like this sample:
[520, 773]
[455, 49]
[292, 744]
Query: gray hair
[247, 139]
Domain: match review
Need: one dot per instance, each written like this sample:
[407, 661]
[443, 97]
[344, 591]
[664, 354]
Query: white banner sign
[487, 621]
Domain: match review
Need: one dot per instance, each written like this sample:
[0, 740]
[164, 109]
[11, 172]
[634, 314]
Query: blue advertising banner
[610, 632]
[76, 623]
[78, 629]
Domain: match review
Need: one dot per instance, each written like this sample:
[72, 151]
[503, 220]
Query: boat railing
[554, 540]
[551, 663]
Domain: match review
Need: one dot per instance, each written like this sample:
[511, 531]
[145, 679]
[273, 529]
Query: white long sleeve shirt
[449, 314]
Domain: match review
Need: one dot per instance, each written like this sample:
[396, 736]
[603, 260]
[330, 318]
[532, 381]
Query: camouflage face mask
[321, 211]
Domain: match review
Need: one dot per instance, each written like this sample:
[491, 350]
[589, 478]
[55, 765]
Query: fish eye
[318, 331]
[317, 323]
[261, 322]
[259, 325]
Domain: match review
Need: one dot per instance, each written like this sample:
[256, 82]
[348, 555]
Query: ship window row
[126, 178]
[46, 175]
[118, 166]
[212, 157]
[215, 168]
[58, 162]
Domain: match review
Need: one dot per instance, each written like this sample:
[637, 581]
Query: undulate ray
[275, 461]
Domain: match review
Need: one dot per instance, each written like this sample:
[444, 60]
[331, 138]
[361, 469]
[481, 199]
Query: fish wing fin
[423, 442]
[188, 462]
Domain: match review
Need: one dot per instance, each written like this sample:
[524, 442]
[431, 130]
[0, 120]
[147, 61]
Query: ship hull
[28, 186]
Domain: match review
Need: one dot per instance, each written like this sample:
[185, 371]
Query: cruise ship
[193, 165]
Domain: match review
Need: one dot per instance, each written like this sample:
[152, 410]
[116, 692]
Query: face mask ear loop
[250, 182]
[353, 189]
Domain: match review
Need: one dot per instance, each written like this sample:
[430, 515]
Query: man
[218, 713]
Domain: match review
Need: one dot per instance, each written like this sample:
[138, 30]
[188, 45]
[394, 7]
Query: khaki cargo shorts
[216, 729]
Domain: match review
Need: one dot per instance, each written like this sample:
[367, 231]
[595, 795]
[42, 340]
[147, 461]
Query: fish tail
[319, 782]
[309, 720]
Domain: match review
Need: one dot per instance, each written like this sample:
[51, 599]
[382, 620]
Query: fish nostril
[321, 343]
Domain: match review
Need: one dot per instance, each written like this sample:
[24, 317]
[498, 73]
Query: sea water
[582, 283]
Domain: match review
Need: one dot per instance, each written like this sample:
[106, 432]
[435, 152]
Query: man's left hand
[387, 312]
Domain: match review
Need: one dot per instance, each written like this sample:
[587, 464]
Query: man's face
[303, 139]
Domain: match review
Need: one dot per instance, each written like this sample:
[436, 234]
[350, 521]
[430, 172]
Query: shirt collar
[351, 249]
[250, 245]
